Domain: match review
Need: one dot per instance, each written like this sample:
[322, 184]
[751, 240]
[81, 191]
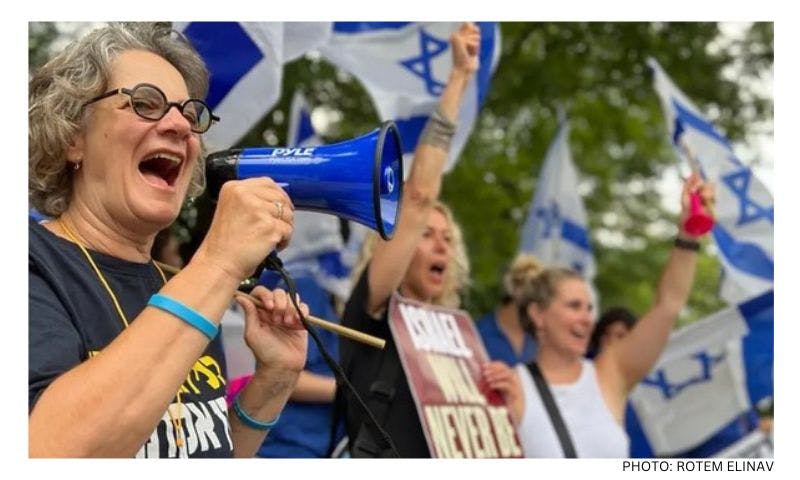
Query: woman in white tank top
[590, 395]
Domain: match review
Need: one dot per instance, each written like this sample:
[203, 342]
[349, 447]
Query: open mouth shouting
[437, 271]
[161, 169]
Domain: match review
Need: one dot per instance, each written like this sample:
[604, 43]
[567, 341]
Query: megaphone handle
[272, 262]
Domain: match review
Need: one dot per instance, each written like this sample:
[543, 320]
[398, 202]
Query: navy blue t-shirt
[72, 318]
[497, 344]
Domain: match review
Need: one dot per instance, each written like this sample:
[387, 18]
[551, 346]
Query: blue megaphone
[359, 179]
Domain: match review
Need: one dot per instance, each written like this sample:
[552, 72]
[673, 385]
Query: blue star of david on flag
[550, 217]
[743, 231]
[669, 388]
[749, 210]
[556, 229]
[430, 47]
[404, 67]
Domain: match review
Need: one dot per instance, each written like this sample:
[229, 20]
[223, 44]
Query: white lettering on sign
[461, 431]
[504, 432]
[454, 379]
[434, 331]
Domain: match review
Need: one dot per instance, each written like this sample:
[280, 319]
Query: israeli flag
[245, 60]
[698, 400]
[556, 230]
[743, 231]
[316, 250]
[404, 67]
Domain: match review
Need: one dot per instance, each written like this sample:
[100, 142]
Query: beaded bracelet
[185, 313]
[250, 421]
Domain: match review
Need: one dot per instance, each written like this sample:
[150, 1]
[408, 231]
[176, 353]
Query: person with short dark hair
[613, 325]
[503, 331]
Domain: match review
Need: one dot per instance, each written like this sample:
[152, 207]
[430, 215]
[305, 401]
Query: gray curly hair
[60, 88]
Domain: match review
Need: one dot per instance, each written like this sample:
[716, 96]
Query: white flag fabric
[556, 230]
[404, 67]
[245, 60]
[301, 131]
[738, 437]
[698, 385]
[743, 231]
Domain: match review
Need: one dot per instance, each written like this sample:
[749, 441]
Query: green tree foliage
[40, 36]
[597, 73]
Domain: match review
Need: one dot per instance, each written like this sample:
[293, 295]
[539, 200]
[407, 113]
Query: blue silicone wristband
[185, 313]
[250, 421]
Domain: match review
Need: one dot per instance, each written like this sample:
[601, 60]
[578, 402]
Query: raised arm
[634, 356]
[391, 259]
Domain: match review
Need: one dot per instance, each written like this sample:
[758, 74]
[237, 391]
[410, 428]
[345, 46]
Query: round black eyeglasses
[149, 102]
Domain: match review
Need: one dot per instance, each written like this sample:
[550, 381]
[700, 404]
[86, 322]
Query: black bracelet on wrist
[684, 244]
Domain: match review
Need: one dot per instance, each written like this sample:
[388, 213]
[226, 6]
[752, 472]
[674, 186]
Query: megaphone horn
[359, 179]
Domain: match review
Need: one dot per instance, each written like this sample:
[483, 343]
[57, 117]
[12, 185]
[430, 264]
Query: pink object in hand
[699, 221]
[235, 386]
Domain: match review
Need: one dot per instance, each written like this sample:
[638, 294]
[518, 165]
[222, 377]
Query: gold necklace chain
[175, 419]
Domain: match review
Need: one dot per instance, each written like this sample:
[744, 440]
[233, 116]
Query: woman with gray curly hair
[124, 361]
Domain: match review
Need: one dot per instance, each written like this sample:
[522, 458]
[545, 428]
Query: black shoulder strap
[369, 441]
[552, 410]
[336, 417]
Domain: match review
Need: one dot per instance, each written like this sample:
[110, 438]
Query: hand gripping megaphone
[359, 179]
